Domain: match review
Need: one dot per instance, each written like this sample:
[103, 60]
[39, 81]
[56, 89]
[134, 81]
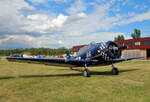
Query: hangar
[136, 47]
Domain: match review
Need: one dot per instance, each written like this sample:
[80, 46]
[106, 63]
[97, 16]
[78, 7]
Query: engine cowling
[112, 50]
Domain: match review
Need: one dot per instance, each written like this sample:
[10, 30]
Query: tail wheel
[115, 71]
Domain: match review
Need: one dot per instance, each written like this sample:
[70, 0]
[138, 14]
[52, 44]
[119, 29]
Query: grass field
[23, 82]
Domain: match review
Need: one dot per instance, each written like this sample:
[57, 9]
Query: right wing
[125, 59]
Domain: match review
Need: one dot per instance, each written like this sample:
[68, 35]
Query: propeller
[113, 51]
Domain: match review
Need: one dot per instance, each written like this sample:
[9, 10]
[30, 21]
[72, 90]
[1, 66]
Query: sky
[65, 23]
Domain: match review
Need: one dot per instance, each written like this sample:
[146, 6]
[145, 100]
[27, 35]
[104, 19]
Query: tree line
[136, 34]
[35, 51]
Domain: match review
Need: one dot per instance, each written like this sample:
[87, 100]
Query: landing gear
[115, 70]
[86, 72]
[71, 68]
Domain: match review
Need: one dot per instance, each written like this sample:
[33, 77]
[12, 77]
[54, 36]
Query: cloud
[11, 18]
[44, 1]
[60, 30]
[131, 14]
[42, 23]
[141, 7]
[136, 6]
[27, 9]
[84, 24]
[17, 41]
[59, 20]
[76, 7]
[86, 39]
[60, 42]
[37, 1]
[73, 19]
[126, 2]
[136, 18]
[56, 41]
[13, 21]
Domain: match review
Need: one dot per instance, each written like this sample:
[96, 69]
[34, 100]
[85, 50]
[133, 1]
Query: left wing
[55, 62]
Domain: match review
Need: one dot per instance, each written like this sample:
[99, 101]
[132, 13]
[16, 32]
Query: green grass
[23, 82]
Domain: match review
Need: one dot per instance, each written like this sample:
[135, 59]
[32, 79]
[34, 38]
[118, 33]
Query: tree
[35, 51]
[119, 38]
[136, 34]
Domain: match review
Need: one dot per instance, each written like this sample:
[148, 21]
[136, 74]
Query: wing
[125, 59]
[54, 62]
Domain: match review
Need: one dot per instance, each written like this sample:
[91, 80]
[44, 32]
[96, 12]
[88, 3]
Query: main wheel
[86, 73]
[115, 71]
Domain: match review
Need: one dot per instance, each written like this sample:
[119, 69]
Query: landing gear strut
[86, 72]
[71, 68]
[115, 70]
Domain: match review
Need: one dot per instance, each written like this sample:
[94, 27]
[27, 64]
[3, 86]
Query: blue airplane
[94, 54]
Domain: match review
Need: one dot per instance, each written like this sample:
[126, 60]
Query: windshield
[85, 48]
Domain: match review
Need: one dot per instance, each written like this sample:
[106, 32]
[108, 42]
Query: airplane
[94, 54]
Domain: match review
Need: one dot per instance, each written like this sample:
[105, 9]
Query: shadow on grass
[109, 73]
[106, 73]
[52, 75]
[6, 77]
[76, 74]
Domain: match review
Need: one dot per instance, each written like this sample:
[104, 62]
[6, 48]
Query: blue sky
[57, 23]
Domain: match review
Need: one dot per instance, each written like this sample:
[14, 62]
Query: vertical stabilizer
[68, 55]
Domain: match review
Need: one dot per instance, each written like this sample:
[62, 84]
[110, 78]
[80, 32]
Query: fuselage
[104, 51]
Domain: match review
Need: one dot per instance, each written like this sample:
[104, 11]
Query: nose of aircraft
[113, 51]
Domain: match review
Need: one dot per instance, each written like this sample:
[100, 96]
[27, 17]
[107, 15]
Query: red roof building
[76, 49]
[136, 47]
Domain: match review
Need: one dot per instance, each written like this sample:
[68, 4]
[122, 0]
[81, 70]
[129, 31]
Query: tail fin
[68, 55]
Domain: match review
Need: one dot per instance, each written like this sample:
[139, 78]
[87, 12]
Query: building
[136, 47]
[76, 49]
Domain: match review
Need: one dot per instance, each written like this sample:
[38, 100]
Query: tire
[115, 71]
[86, 73]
